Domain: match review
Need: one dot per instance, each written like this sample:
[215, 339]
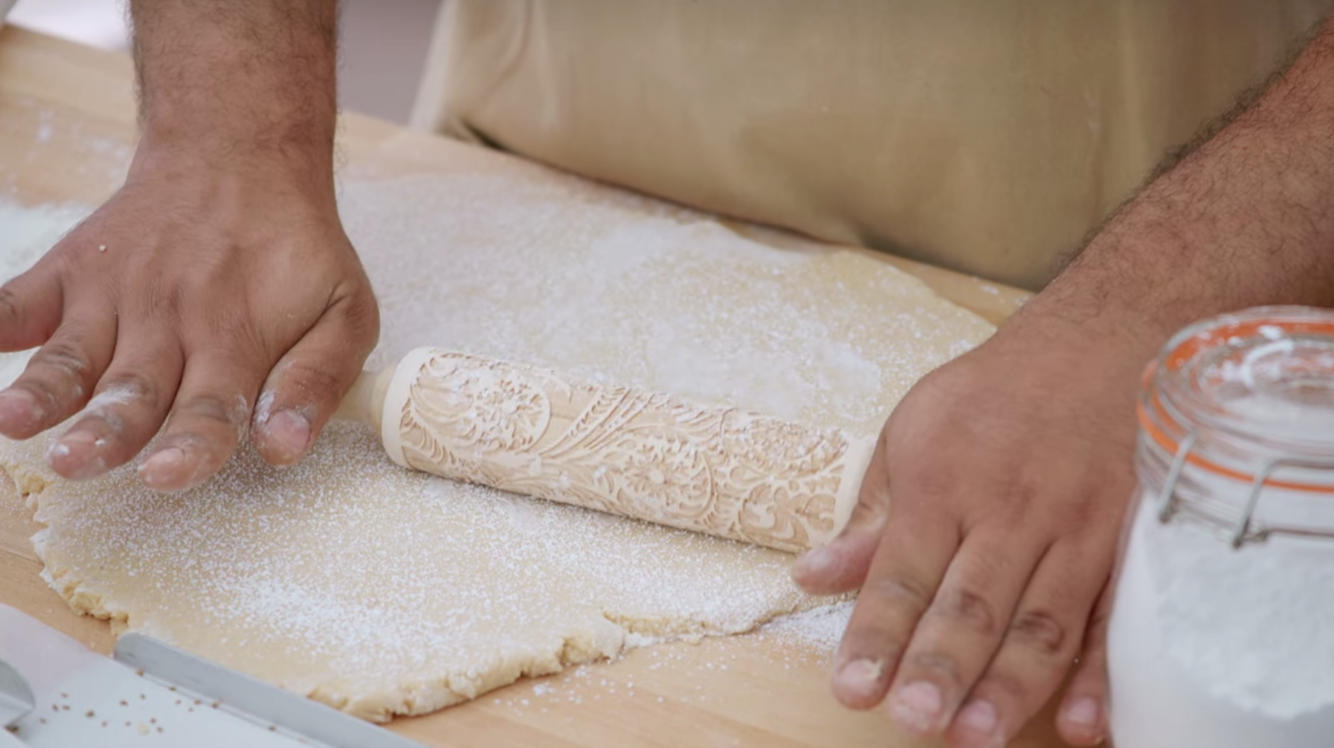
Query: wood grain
[66, 127]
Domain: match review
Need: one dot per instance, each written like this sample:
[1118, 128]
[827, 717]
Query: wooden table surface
[66, 133]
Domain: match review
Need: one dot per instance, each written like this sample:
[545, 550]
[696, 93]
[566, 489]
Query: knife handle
[646, 455]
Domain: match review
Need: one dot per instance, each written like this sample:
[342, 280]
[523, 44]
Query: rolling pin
[646, 455]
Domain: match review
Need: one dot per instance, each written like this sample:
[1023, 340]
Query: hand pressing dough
[381, 591]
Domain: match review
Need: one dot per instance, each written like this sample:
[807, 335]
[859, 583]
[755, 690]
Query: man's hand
[985, 575]
[216, 284]
[194, 293]
[1010, 469]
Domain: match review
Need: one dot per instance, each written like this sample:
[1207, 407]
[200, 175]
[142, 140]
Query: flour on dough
[384, 592]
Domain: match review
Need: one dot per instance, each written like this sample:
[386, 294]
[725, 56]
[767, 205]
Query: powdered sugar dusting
[26, 232]
[383, 591]
[618, 289]
[818, 629]
[347, 570]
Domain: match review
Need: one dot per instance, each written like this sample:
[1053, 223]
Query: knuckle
[1019, 493]
[944, 666]
[162, 301]
[231, 411]
[870, 641]
[240, 336]
[900, 590]
[64, 358]
[58, 373]
[1041, 631]
[64, 259]
[314, 381]
[969, 609]
[872, 504]
[924, 477]
[363, 312]
[1096, 632]
[1002, 685]
[359, 314]
[130, 386]
[10, 305]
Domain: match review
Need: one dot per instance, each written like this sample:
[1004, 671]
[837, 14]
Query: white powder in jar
[1211, 646]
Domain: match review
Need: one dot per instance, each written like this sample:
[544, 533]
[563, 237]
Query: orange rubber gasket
[1188, 348]
[1184, 352]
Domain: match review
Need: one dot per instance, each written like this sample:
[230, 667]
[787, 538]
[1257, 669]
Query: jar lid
[1246, 398]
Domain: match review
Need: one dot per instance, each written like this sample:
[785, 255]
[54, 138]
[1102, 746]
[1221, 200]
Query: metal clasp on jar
[1243, 529]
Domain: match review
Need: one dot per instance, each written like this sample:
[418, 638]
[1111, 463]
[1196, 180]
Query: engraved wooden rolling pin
[646, 455]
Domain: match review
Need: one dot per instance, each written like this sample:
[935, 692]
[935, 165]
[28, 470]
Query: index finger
[909, 564]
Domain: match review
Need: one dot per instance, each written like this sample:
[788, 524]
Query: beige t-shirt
[987, 136]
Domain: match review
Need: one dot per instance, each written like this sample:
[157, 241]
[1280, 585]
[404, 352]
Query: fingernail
[861, 676]
[814, 563]
[75, 456]
[979, 717]
[1084, 712]
[163, 469]
[19, 409]
[916, 707]
[288, 434]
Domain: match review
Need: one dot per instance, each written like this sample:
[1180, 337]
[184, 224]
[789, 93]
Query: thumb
[841, 565]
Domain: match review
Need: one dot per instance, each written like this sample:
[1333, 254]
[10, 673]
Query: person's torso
[987, 137]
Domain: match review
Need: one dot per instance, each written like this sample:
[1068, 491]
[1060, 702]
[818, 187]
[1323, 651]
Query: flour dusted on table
[382, 591]
[818, 629]
[619, 289]
[26, 232]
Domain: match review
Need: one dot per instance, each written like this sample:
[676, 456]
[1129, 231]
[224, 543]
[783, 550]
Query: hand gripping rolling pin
[646, 455]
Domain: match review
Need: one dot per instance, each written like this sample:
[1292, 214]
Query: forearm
[249, 82]
[1247, 219]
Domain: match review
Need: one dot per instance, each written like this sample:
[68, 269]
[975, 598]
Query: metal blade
[16, 698]
[250, 698]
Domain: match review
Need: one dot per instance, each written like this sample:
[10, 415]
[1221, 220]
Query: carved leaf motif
[645, 455]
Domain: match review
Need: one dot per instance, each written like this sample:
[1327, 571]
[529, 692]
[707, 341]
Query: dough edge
[408, 698]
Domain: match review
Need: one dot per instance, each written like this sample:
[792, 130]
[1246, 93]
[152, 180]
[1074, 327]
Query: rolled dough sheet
[385, 592]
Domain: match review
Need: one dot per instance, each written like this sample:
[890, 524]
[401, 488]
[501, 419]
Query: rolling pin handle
[365, 401]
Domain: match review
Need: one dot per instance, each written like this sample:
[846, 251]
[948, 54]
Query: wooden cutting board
[66, 132]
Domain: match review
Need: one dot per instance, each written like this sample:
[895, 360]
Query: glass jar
[1222, 627]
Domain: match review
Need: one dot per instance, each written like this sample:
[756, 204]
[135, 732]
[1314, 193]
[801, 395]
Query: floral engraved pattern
[645, 455]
